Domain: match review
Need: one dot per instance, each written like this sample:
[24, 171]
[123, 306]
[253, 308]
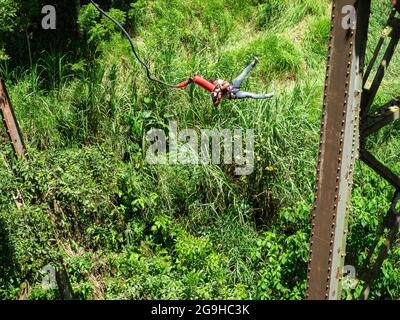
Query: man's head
[396, 4]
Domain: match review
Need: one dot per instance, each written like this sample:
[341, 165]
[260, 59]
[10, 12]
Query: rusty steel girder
[338, 148]
[11, 122]
[346, 125]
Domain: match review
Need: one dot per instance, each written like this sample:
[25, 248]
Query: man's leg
[244, 95]
[236, 83]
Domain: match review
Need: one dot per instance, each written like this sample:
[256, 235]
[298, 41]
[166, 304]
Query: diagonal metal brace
[382, 117]
[380, 168]
[369, 94]
[392, 223]
[11, 122]
[378, 47]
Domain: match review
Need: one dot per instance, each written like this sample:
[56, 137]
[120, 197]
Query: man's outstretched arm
[200, 81]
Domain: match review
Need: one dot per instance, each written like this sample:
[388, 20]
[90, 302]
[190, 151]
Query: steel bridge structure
[347, 121]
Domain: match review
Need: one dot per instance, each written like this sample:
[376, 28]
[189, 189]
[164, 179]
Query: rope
[148, 73]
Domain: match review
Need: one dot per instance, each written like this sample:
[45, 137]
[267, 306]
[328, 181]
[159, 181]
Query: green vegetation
[125, 229]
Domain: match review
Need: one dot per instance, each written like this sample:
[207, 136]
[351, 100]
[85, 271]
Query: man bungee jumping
[221, 89]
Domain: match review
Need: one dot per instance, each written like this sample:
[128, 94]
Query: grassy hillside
[125, 229]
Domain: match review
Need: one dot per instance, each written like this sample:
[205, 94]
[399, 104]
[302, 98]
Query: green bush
[284, 266]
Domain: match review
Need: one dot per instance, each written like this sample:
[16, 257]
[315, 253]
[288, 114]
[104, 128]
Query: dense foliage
[125, 229]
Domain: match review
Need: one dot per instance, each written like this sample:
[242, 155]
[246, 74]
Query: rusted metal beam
[338, 150]
[11, 122]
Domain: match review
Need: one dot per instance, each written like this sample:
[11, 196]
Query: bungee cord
[148, 72]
